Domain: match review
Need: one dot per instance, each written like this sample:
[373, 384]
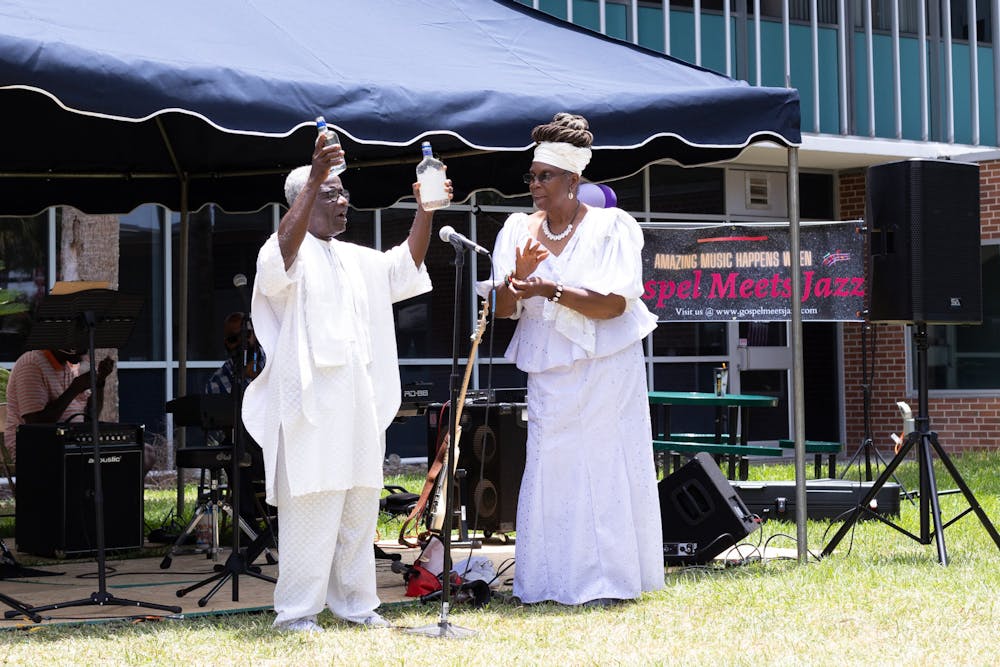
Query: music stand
[240, 560]
[7, 559]
[925, 441]
[19, 608]
[89, 319]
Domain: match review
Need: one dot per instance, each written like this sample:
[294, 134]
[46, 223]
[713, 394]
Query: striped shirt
[36, 379]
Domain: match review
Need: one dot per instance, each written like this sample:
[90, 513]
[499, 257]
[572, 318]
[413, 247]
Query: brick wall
[962, 423]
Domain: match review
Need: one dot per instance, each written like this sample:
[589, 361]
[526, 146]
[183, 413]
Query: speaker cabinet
[701, 513]
[492, 453]
[55, 489]
[923, 225]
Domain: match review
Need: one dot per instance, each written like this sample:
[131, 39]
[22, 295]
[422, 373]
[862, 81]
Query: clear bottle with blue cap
[331, 138]
[431, 176]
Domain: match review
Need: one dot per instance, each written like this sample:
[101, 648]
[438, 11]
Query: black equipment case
[825, 498]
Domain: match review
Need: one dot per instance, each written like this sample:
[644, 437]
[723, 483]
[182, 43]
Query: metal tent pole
[798, 399]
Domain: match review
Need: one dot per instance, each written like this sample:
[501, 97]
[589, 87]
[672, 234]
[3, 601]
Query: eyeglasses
[333, 195]
[543, 178]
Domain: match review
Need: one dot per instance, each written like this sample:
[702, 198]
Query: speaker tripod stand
[926, 442]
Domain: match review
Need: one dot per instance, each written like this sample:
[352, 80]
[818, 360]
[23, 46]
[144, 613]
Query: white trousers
[326, 555]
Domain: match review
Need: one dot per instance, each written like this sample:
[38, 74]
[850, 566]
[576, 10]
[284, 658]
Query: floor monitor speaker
[924, 246]
[701, 512]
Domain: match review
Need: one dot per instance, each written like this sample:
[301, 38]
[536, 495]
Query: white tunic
[588, 518]
[331, 383]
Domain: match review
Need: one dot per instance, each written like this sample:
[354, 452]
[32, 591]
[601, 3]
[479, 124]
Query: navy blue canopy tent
[109, 105]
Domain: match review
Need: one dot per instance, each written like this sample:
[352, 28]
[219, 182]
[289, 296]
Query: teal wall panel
[586, 13]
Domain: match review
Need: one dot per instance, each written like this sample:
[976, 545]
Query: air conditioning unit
[759, 194]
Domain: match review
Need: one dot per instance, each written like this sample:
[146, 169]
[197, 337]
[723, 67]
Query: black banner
[737, 272]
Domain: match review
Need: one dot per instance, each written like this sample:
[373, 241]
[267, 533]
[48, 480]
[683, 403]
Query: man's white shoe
[374, 621]
[300, 625]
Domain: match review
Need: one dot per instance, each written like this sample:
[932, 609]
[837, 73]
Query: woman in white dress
[588, 518]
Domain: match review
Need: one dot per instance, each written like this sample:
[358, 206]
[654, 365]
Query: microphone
[240, 282]
[449, 235]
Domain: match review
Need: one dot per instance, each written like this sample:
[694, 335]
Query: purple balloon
[591, 195]
[610, 198]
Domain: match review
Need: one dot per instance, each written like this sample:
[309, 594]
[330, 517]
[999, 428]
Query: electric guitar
[436, 482]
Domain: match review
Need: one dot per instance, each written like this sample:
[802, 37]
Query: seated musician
[221, 383]
[222, 379]
[47, 387]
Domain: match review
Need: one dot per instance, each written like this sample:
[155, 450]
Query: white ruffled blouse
[605, 256]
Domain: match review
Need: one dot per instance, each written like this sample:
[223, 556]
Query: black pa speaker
[492, 453]
[923, 227]
[701, 513]
[55, 488]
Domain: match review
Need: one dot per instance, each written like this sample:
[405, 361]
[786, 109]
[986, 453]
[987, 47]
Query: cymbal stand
[209, 508]
[926, 442]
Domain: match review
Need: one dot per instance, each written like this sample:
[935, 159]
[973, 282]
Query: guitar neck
[465, 383]
[476, 337]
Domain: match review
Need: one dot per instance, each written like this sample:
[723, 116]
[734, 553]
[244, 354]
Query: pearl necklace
[564, 233]
[555, 237]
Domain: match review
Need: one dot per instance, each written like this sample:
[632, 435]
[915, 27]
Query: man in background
[221, 383]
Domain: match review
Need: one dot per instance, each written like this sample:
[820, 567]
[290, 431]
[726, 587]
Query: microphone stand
[444, 627]
[240, 560]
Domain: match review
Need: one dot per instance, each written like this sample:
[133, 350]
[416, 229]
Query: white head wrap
[563, 155]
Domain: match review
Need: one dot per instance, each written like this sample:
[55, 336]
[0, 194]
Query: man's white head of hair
[294, 183]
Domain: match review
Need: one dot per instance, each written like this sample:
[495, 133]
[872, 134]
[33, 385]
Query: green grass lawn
[880, 598]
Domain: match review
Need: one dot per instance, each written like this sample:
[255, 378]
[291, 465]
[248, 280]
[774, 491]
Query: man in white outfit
[322, 311]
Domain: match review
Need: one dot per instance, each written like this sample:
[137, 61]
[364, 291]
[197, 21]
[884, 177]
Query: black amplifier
[825, 498]
[55, 508]
[492, 451]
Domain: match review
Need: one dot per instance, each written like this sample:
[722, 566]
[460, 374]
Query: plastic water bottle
[431, 176]
[203, 531]
[331, 138]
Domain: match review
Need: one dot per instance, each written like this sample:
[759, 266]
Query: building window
[683, 190]
[968, 356]
[909, 17]
[23, 282]
[141, 271]
[220, 246]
